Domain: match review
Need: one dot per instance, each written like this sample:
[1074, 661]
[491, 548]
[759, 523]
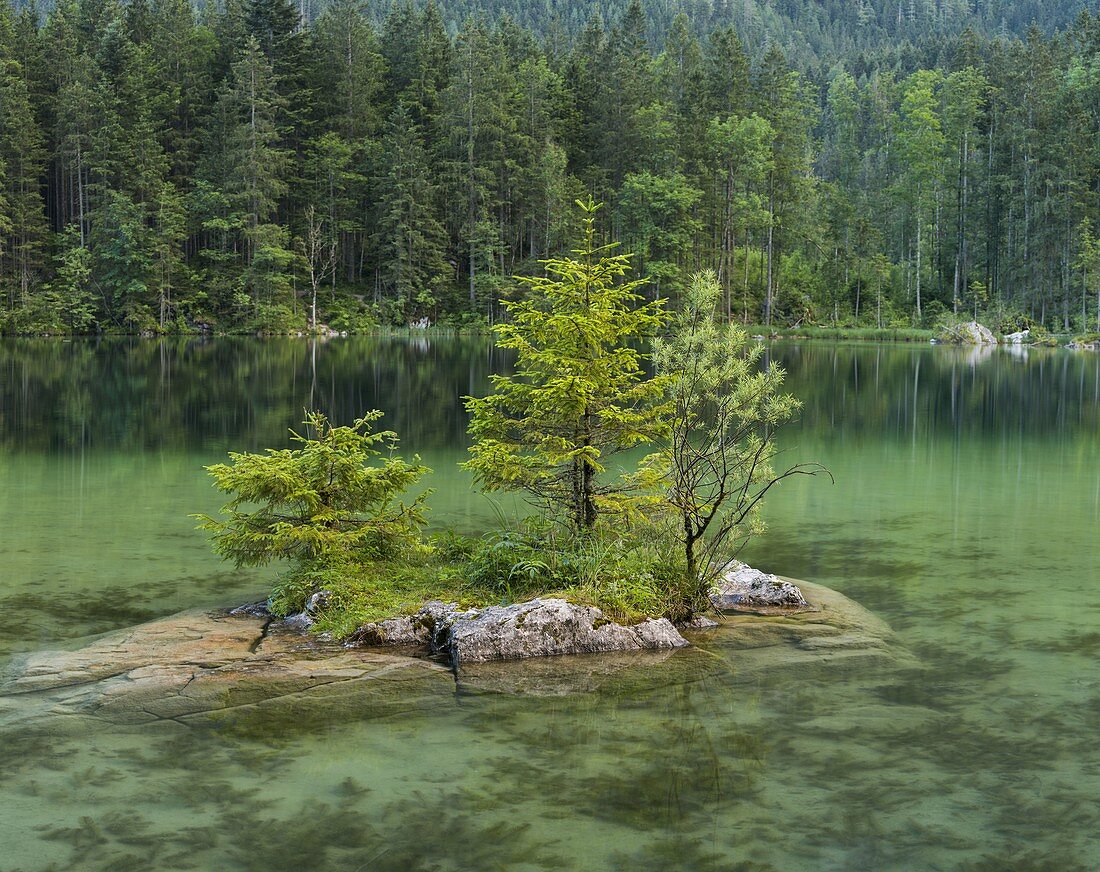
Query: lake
[965, 512]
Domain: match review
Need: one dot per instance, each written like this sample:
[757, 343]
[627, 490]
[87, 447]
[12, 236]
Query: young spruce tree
[579, 394]
[328, 500]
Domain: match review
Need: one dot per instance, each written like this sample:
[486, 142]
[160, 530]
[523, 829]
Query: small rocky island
[233, 663]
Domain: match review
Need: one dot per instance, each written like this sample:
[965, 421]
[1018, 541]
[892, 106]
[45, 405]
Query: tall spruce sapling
[335, 497]
[579, 394]
[716, 465]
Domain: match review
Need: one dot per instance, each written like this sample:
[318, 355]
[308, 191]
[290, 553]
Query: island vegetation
[637, 538]
[273, 166]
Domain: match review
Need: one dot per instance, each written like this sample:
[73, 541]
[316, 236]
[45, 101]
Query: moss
[375, 590]
[629, 578]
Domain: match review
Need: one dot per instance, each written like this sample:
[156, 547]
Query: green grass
[629, 577]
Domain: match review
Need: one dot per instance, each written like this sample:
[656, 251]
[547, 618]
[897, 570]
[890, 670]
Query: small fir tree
[326, 501]
[71, 290]
[579, 394]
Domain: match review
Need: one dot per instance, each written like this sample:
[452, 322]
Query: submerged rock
[582, 673]
[198, 663]
[247, 668]
[833, 633]
[699, 622]
[741, 587]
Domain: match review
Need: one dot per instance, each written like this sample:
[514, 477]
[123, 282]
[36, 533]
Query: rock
[439, 616]
[538, 628]
[699, 622]
[545, 628]
[247, 668]
[742, 587]
[253, 610]
[306, 618]
[583, 673]
[203, 663]
[1018, 338]
[970, 333]
[426, 628]
[405, 630]
[833, 633]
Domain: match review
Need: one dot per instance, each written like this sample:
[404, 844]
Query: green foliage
[364, 590]
[579, 395]
[716, 466]
[630, 571]
[347, 312]
[410, 238]
[441, 153]
[510, 560]
[630, 574]
[329, 500]
[658, 214]
[72, 294]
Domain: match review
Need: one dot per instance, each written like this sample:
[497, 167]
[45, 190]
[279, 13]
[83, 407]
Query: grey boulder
[537, 628]
[306, 618]
[427, 627]
[547, 627]
[970, 333]
[740, 587]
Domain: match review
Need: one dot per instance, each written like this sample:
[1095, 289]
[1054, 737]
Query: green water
[966, 512]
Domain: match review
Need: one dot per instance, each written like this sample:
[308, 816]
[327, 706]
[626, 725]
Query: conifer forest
[275, 166]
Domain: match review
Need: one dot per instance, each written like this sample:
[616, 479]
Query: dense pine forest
[270, 166]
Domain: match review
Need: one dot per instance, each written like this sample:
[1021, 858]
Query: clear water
[966, 511]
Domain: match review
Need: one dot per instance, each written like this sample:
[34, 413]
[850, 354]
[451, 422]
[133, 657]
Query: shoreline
[864, 335]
